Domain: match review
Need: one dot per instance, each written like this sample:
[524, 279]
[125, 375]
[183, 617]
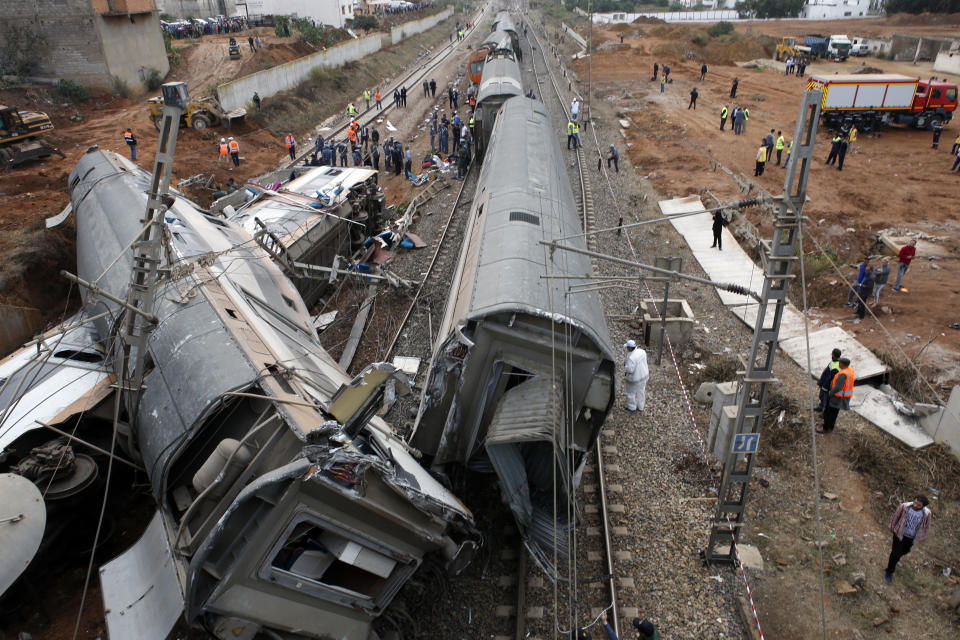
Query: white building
[330, 12]
[835, 9]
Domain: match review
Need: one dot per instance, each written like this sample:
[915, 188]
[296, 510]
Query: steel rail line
[589, 225]
[370, 114]
[433, 262]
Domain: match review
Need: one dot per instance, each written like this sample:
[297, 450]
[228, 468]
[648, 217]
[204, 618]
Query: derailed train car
[285, 504]
[500, 81]
[475, 64]
[522, 376]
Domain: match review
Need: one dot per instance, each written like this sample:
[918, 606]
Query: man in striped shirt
[911, 523]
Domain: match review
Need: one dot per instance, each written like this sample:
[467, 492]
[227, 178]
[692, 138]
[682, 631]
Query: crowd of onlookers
[395, 7]
[204, 26]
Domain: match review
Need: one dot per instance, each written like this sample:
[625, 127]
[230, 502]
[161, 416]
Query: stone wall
[89, 41]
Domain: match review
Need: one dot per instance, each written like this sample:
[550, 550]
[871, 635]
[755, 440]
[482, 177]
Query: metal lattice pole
[758, 370]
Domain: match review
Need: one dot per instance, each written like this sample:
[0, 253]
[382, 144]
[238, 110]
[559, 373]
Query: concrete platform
[733, 265]
[822, 342]
[875, 406]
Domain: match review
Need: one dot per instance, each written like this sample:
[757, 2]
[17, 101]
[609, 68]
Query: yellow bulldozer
[791, 48]
[18, 136]
[200, 113]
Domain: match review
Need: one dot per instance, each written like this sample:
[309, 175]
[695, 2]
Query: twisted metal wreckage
[283, 502]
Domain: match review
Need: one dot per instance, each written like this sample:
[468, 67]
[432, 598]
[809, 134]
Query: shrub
[722, 28]
[881, 54]
[73, 91]
[281, 26]
[700, 39]
[153, 79]
[120, 86]
[365, 22]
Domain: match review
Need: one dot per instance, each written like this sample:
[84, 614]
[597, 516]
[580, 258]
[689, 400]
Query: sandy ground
[894, 182]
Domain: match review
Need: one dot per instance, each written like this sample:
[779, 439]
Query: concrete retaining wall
[944, 424]
[407, 29]
[576, 37]
[911, 47]
[198, 8]
[17, 325]
[237, 93]
[947, 62]
[132, 46]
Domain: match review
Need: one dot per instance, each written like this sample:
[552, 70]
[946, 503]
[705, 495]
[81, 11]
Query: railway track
[592, 568]
[435, 284]
[412, 81]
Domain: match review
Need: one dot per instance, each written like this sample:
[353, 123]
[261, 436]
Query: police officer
[834, 149]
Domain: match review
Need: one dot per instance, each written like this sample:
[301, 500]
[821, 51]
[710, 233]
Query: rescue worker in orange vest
[841, 390]
[131, 141]
[291, 143]
[352, 134]
[473, 103]
[377, 98]
[234, 152]
[224, 152]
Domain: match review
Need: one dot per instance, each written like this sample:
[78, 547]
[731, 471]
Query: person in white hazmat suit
[636, 376]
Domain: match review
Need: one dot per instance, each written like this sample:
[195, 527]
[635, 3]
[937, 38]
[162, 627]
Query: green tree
[921, 6]
[771, 8]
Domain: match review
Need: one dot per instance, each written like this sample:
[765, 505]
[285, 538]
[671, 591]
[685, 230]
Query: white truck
[838, 47]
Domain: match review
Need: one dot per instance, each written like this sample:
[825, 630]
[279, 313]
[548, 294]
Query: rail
[370, 114]
[589, 225]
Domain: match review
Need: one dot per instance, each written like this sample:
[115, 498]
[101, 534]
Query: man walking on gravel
[841, 390]
[911, 523]
[636, 374]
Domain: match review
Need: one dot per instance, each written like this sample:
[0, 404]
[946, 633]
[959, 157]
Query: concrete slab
[822, 342]
[875, 406]
[750, 557]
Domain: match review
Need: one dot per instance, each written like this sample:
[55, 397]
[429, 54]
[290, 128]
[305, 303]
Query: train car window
[523, 216]
[324, 557]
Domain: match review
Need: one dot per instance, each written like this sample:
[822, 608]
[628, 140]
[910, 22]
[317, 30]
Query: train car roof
[524, 197]
[501, 76]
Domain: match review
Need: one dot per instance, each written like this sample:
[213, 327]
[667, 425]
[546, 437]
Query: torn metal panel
[142, 597]
[252, 434]
[65, 374]
[352, 204]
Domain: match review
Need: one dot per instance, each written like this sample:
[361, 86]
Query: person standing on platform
[826, 379]
[719, 222]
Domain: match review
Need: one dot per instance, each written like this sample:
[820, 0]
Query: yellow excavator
[18, 133]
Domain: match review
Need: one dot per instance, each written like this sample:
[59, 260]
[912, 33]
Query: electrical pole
[758, 370]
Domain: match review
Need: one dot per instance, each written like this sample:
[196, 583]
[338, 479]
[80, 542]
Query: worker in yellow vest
[224, 152]
[366, 97]
[291, 143]
[746, 118]
[724, 112]
[573, 134]
[841, 390]
[351, 110]
[779, 145]
[789, 151]
[761, 159]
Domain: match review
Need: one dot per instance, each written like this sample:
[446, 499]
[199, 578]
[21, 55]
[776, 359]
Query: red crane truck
[870, 100]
